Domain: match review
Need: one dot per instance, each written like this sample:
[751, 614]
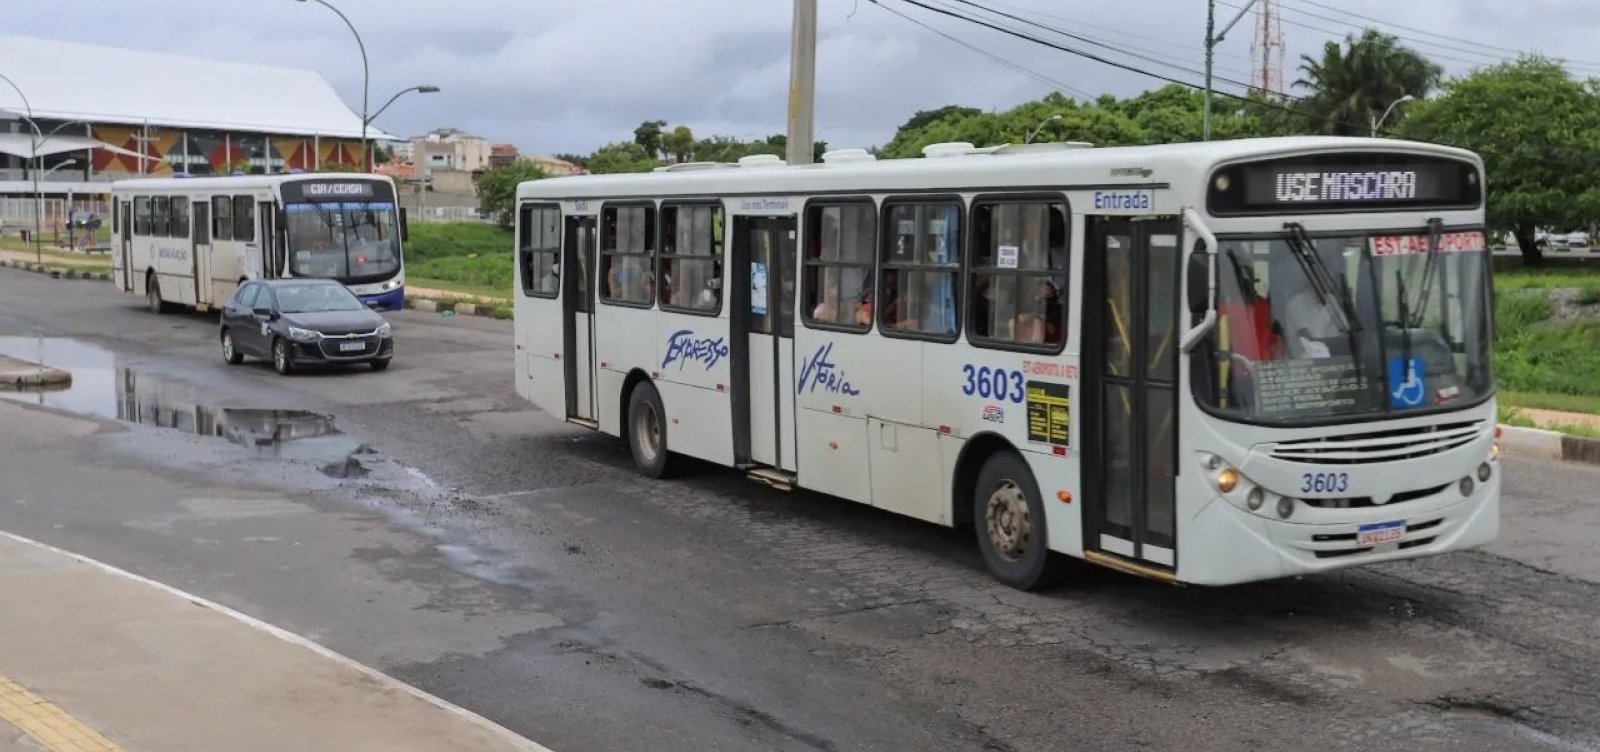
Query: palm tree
[1357, 81]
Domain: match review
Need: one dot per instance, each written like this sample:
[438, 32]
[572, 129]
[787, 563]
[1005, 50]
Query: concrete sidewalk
[93, 659]
[18, 374]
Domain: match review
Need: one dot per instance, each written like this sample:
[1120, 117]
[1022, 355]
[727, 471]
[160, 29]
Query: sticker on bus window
[1049, 412]
[1006, 257]
[758, 288]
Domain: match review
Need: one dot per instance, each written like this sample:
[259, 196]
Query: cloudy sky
[568, 76]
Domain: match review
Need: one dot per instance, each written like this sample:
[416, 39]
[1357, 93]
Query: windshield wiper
[1428, 268]
[1321, 283]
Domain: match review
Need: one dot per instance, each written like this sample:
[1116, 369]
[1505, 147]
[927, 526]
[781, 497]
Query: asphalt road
[458, 539]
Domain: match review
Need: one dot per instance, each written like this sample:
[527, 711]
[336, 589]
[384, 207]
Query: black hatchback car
[301, 322]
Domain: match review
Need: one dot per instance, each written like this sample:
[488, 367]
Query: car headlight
[302, 335]
[384, 330]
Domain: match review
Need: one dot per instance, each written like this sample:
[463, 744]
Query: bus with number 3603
[1205, 363]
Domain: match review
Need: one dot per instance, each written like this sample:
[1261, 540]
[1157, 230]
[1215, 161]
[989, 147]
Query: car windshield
[315, 298]
[1349, 325]
[347, 241]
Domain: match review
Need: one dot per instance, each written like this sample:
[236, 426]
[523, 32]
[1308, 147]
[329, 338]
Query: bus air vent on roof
[1048, 146]
[953, 149]
[762, 160]
[846, 156]
[690, 166]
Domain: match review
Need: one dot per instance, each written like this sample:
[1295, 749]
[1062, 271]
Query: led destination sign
[1344, 183]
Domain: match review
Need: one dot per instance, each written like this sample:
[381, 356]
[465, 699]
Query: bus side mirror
[405, 225]
[1198, 281]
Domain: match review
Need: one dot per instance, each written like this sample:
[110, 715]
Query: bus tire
[152, 295]
[1008, 517]
[647, 432]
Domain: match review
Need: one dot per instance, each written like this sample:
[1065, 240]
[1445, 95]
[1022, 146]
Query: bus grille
[1408, 542]
[1357, 502]
[1380, 446]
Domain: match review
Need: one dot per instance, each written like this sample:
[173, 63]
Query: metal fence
[448, 214]
[17, 215]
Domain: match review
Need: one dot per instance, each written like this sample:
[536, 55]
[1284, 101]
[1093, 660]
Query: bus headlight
[1228, 479]
[1255, 498]
[302, 335]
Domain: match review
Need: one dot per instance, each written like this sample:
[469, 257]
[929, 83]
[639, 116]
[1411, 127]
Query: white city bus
[1206, 363]
[191, 241]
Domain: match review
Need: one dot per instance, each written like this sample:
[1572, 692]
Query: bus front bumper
[392, 300]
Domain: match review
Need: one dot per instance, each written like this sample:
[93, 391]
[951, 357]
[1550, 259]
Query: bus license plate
[1379, 533]
[352, 346]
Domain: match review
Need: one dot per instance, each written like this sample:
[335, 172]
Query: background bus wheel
[230, 349]
[152, 295]
[280, 357]
[647, 432]
[1008, 515]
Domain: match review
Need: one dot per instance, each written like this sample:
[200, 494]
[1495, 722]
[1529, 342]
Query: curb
[1544, 444]
[34, 375]
[456, 307]
[29, 266]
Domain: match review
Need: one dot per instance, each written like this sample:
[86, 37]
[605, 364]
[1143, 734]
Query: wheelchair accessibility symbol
[1406, 388]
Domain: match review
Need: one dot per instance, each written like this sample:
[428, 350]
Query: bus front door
[127, 245]
[201, 251]
[577, 314]
[762, 293]
[1131, 365]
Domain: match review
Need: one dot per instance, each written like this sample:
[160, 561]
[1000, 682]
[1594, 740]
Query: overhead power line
[1018, 67]
[1436, 35]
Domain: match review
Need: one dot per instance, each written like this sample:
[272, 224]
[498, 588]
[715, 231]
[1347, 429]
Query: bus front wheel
[152, 295]
[647, 432]
[1008, 515]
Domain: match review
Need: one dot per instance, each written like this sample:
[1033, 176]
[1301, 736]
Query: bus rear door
[200, 249]
[1131, 323]
[762, 348]
[126, 225]
[577, 315]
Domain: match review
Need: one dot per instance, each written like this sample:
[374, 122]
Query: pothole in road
[102, 388]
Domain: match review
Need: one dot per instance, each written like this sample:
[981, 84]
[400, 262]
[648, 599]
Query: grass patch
[1556, 273]
[1570, 403]
[432, 240]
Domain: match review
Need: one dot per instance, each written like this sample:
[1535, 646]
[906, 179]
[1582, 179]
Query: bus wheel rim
[1010, 527]
[647, 427]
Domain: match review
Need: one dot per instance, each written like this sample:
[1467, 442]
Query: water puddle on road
[102, 388]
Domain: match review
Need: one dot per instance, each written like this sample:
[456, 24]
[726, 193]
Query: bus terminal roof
[94, 84]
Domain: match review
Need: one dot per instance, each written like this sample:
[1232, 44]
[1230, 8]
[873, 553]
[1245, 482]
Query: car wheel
[281, 362]
[1008, 515]
[379, 365]
[647, 432]
[230, 351]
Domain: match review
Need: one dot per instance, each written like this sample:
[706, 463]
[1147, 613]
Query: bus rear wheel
[647, 432]
[1008, 515]
[152, 295]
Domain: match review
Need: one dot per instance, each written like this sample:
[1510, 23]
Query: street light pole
[1214, 38]
[1379, 121]
[366, 79]
[38, 162]
[420, 89]
[802, 82]
[1035, 132]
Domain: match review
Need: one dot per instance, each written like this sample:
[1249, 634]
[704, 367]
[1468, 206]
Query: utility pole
[1214, 38]
[802, 82]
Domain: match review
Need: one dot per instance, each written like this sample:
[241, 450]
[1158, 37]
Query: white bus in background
[191, 241]
[1206, 363]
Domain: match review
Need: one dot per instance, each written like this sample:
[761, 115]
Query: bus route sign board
[1301, 387]
[1049, 412]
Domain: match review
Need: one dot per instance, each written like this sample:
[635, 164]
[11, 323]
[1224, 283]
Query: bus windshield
[1312, 327]
[355, 241]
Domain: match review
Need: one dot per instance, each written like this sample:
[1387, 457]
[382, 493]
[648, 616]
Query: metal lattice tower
[1266, 51]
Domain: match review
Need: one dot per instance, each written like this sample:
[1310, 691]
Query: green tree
[923, 117]
[1538, 131]
[1354, 83]
[678, 145]
[497, 189]
[624, 156]
[648, 137]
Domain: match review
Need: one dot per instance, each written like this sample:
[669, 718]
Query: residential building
[451, 149]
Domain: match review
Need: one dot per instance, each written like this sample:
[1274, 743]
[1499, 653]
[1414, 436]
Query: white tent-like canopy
[22, 145]
[94, 84]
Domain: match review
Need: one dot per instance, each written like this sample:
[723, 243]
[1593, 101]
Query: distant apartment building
[502, 155]
[451, 149]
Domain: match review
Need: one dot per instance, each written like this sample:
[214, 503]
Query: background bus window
[244, 219]
[160, 216]
[691, 258]
[627, 275]
[539, 231]
[178, 222]
[1019, 274]
[921, 263]
[840, 245]
[222, 218]
[141, 216]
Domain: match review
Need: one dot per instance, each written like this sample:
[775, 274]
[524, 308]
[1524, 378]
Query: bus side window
[160, 214]
[539, 250]
[841, 246]
[141, 216]
[691, 259]
[222, 218]
[178, 222]
[1019, 274]
[921, 268]
[244, 219]
[627, 245]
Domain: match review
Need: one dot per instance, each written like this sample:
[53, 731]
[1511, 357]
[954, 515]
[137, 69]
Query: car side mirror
[268, 313]
[1198, 281]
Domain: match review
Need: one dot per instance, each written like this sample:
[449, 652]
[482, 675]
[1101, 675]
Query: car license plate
[352, 346]
[1379, 533]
